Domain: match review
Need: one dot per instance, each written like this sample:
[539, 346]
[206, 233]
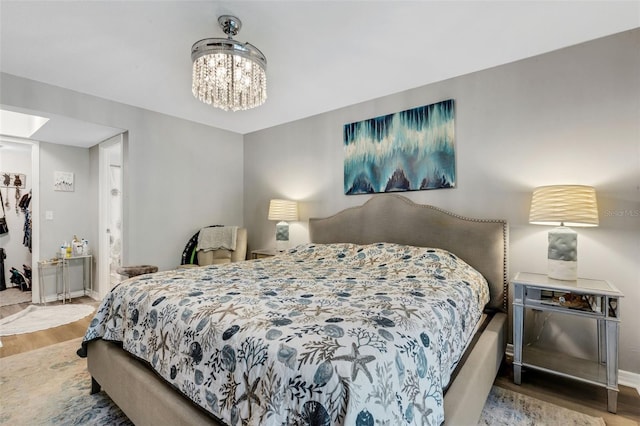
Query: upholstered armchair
[214, 257]
[191, 257]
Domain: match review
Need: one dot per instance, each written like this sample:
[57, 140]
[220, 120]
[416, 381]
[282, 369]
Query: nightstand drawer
[583, 297]
[561, 301]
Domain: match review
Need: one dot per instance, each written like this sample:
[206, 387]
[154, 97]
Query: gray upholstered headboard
[482, 243]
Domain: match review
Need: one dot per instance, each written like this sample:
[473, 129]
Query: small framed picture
[63, 181]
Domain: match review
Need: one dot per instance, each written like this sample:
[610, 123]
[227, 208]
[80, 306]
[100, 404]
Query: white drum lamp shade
[563, 206]
[282, 211]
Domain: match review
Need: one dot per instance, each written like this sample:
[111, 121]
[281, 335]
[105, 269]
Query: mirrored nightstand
[586, 298]
[261, 253]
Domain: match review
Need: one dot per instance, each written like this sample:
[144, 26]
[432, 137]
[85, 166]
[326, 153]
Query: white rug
[35, 318]
[13, 296]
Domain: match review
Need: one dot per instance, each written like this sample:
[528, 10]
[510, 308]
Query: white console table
[62, 275]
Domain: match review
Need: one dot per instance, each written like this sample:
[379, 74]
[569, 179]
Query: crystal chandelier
[226, 73]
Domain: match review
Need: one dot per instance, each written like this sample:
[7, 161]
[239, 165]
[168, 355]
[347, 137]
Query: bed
[395, 312]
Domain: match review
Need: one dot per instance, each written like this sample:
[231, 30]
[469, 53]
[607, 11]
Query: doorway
[111, 232]
[21, 244]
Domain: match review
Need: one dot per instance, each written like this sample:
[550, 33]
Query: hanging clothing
[25, 201]
[3, 282]
[24, 204]
[26, 240]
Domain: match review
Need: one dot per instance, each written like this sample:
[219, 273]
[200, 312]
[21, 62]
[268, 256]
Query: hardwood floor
[19, 343]
[574, 395]
[567, 393]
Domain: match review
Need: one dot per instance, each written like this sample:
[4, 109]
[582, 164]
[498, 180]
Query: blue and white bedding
[323, 334]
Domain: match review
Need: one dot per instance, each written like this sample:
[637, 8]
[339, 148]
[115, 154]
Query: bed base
[467, 395]
[147, 400]
[139, 392]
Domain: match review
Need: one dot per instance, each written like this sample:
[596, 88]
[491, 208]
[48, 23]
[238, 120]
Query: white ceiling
[322, 55]
[59, 129]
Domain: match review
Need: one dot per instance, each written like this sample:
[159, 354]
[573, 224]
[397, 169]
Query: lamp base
[563, 254]
[282, 236]
[564, 270]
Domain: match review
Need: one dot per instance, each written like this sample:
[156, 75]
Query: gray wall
[72, 211]
[179, 175]
[570, 116]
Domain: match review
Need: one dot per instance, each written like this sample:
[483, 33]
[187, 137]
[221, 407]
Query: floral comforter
[323, 334]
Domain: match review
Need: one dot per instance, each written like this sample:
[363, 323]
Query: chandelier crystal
[228, 74]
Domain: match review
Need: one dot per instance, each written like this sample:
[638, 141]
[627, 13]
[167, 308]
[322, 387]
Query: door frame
[104, 275]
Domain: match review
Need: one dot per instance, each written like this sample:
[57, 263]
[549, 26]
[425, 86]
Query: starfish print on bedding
[233, 286]
[359, 362]
[296, 286]
[397, 271]
[444, 268]
[159, 289]
[373, 260]
[300, 308]
[320, 310]
[426, 412]
[163, 343]
[116, 316]
[408, 311]
[250, 392]
[229, 310]
[365, 287]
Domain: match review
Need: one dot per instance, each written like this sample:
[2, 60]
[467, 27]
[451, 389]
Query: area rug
[504, 407]
[35, 318]
[50, 386]
[13, 296]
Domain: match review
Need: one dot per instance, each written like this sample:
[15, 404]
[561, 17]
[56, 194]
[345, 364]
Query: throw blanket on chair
[217, 237]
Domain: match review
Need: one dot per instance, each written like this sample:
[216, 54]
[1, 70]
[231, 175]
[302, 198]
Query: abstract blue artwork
[405, 151]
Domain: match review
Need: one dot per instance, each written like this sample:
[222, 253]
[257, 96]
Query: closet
[15, 194]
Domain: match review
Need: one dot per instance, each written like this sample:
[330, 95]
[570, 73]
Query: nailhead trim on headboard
[505, 238]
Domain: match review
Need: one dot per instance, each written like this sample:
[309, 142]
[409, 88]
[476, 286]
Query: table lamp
[563, 206]
[282, 211]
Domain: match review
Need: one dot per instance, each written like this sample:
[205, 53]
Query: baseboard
[625, 378]
[55, 298]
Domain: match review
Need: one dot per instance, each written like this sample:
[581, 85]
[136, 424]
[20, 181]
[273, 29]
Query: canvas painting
[63, 181]
[405, 151]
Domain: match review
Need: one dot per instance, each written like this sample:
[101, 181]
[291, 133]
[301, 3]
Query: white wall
[179, 175]
[15, 157]
[570, 116]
